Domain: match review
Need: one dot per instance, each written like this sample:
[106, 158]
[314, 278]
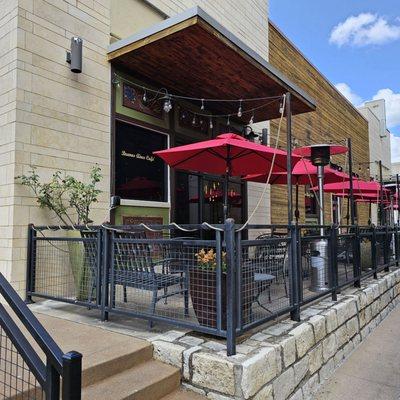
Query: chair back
[133, 256]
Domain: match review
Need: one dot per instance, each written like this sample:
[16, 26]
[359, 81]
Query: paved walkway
[372, 372]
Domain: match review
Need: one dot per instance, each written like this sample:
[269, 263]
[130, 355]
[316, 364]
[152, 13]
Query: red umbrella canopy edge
[227, 153]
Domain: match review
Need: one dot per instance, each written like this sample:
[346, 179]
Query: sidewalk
[372, 372]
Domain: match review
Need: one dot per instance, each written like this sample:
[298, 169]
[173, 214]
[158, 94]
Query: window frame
[134, 202]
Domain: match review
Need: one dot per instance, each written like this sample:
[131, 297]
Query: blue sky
[354, 43]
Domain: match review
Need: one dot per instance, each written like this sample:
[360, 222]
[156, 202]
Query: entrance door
[199, 198]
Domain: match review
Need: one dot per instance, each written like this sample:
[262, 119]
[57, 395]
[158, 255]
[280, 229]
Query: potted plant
[203, 288]
[70, 200]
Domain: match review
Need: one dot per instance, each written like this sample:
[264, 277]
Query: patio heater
[320, 156]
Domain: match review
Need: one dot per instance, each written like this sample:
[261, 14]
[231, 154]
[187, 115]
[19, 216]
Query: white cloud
[395, 147]
[392, 105]
[364, 29]
[346, 91]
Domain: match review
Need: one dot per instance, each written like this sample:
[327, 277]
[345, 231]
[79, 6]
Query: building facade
[54, 119]
[334, 120]
[379, 150]
[51, 118]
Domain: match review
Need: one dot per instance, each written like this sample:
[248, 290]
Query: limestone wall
[61, 120]
[9, 94]
[287, 360]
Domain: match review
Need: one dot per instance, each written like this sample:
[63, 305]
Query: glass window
[139, 175]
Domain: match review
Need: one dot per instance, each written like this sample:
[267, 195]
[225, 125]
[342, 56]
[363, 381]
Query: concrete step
[182, 394]
[150, 380]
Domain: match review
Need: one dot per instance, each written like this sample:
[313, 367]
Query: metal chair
[134, 267]
[270, 266]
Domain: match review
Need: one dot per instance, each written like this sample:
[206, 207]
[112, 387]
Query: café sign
[138, 156]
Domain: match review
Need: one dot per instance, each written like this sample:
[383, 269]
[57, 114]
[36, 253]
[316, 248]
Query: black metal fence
[26, 373]
[221, 280]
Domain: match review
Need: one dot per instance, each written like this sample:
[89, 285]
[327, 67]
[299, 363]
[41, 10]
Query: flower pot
[203, 293]
[79, 258]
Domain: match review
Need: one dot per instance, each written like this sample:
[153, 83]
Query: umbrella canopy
[303, 173]
[226, 154]
[360, 187]
[307, 151]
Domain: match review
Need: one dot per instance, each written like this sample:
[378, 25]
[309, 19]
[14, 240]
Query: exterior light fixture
[74, 56]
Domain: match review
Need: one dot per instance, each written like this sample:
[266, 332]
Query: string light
[167, 105]
[163, 94]
[211, 123]
[228, 122]
[174, 96]
[240, 113]
[251, 122]
[194, 120]
[281, 108]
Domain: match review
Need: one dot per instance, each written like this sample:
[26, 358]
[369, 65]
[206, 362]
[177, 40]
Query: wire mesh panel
[345, 256]
[264, 285]
[16, 379]
[66, 268]
[174, 278]
[381, 248]
[367, 254]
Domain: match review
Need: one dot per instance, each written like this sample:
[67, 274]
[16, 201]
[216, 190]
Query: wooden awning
[192, 55]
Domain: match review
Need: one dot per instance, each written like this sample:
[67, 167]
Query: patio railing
[40, 371]
[220, 280]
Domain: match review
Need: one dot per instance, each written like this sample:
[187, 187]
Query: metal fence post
[386, 248]
[99, 269]
[30, 266]
[333, 265]
[357, 257]
[373, 253]
[52, 389]
[105, 272]
[396, 244]
[72, 376]
[295, 275]
[231, 287]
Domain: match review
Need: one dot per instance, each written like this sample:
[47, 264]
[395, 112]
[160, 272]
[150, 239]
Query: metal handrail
[59, 365]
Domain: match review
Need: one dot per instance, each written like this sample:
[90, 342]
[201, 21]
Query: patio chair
[134, 267]
[270, 266]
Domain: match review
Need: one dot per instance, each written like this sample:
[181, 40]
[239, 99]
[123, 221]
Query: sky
[354, 43]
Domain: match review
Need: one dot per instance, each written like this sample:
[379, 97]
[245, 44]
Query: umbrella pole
[226, 182]
[297, 213]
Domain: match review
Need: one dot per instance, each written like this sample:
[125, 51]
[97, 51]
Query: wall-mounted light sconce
[74, 57]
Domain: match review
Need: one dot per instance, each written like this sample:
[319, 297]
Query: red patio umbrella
[359, 187]
[227, 154]
[303, 173]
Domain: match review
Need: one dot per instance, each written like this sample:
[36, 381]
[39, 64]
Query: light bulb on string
[144, 98]
[281, 108]
[202, 105]
[211, 123]
[194, 120]
[167, 104]
[240, 112]
[251, 122]
[228, 122]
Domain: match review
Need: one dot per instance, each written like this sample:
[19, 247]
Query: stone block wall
[287, 360]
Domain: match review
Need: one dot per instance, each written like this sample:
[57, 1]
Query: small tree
[60, 194]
